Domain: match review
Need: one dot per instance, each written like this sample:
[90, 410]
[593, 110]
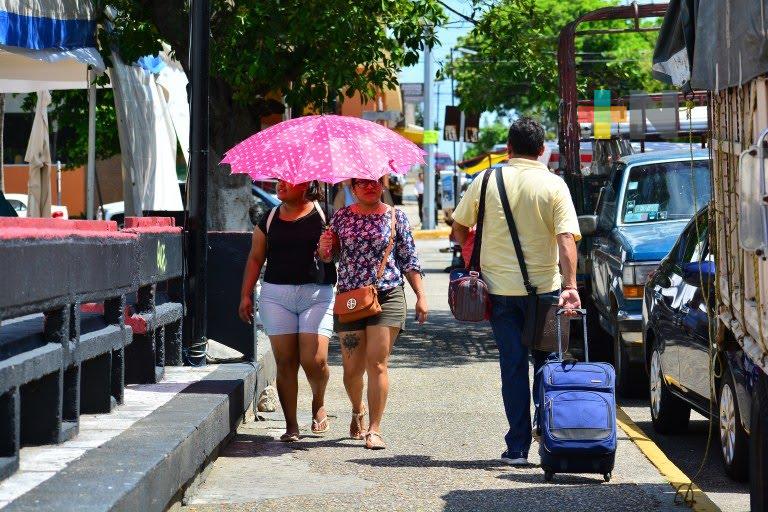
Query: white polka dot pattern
[327, 148]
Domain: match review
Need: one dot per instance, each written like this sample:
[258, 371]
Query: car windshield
[666, 191]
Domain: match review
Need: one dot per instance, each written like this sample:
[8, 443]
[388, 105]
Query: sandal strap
[372, 433]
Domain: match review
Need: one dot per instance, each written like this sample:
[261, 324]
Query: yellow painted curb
[431, 234]
[673, 474]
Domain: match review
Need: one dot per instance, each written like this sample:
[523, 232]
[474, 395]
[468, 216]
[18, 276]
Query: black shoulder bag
[540, 325]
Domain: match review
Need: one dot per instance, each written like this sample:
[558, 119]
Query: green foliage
[310, 51]
[516, 64]
[488, 137]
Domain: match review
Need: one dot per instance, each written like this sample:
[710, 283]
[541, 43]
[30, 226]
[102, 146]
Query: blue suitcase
[577, 414]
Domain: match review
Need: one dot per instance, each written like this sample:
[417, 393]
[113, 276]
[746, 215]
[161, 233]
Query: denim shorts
[293, 309]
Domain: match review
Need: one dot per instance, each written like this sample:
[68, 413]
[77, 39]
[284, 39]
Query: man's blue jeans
[507, 320]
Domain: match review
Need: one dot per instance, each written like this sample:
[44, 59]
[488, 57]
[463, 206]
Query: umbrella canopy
[326, 148]
[39, 156]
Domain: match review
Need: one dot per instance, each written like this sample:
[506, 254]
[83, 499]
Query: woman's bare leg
[285, 347]
[313, 355]
[379, 345]
[353, 349]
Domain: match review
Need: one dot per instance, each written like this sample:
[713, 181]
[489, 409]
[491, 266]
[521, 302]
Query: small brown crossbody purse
[364, 302]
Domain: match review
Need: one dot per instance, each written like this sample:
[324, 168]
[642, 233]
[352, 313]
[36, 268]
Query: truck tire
[734, 440]
[669, 414]
[758, 471]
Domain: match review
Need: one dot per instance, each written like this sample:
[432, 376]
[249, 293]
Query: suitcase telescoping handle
[583, 314]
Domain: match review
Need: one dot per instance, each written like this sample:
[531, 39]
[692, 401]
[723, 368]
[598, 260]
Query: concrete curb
[146, 466]
[695, 498]
[431, 234]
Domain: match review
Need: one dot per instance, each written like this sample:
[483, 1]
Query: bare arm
[460, 233]
[251, 275]
[414, 279]
[566, 246]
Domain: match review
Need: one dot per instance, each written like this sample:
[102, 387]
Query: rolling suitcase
[577, 414]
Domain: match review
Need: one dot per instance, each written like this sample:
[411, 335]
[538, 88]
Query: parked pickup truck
[642, 209]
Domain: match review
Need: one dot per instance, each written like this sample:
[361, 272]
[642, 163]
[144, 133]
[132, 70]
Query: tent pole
[91, 172]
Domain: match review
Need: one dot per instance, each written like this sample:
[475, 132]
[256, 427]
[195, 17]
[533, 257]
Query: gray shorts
[393, 312]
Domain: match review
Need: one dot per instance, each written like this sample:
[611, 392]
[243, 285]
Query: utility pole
[428, 220]
[197, 182]
[461, 135]
[2, 156]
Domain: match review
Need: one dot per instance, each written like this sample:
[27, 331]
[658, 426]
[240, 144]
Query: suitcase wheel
[548, 476]
[607, 476]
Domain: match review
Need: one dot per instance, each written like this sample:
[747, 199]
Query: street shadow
[560, 478]
[573, 498]
[252, 445]
[695, 452]
[424, 461]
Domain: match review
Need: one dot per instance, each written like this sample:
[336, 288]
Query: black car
[679, 343]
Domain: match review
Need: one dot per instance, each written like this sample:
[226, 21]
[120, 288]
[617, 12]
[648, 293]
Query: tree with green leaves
[312, 53]
[515, 67]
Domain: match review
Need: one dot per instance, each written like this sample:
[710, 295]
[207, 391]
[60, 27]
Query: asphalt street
[444, 426]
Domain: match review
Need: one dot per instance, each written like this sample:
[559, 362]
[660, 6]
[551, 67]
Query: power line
[457, 13]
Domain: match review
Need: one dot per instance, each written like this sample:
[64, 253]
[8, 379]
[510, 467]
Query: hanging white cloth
[147, 139]
[39, 157]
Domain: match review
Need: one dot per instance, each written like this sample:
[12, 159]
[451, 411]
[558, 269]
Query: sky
[441, 93]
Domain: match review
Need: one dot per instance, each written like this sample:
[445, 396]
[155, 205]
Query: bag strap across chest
[390, 245]
[513, 231]
[274, 211]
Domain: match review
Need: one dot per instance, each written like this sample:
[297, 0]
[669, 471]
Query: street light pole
[428, 220]
[197, 190]
[455, 162]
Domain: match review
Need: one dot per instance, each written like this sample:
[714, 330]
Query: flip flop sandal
[322, 426]
[374, 441]
[357, 418]
[289, 437]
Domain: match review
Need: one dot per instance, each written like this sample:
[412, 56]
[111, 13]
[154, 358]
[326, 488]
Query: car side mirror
[700, 274]
[588, 224]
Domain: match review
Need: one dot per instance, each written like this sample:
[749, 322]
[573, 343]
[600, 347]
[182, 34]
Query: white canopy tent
[25, 70]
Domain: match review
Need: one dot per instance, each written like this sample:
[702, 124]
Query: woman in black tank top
[296, 300]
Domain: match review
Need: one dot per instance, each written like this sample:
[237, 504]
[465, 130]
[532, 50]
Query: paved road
[444, 425]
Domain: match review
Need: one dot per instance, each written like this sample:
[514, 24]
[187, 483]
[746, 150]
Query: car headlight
[637, 274]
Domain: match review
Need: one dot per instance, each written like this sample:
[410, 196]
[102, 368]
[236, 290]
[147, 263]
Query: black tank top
[291, 247]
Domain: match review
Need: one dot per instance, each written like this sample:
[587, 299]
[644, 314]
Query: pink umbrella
[326, 148]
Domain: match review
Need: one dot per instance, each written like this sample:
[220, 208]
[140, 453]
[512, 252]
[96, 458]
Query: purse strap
[391, 244]
[474, 260]
[513, 231]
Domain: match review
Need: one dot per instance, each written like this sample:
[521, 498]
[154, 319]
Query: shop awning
[482, 162]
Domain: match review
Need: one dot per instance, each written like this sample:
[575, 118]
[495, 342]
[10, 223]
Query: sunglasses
[367, 183]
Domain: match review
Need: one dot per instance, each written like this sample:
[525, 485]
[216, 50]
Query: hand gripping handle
[583, 314]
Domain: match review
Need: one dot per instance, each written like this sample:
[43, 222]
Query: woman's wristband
[569, 287]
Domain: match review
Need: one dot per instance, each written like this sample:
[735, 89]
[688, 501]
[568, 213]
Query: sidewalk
[444, 425]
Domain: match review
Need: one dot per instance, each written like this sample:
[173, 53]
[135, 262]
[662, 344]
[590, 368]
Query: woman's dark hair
[314, 192]
[525, 137]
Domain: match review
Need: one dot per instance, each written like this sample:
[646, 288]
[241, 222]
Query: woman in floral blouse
[359, 236]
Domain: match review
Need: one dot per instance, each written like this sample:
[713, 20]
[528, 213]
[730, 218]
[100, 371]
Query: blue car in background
[642, 209]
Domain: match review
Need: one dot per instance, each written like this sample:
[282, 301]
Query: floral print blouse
[363, 240]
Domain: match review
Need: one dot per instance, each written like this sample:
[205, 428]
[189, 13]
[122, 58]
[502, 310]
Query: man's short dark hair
[526, 137]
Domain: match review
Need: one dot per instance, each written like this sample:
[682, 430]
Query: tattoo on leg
[350, 341]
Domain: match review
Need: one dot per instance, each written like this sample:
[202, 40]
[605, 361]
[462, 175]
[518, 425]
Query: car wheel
[630, 378]
[669, 413]
[758, 440]
[733, 438]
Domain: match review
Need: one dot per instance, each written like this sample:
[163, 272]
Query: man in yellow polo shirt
[548, 230]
